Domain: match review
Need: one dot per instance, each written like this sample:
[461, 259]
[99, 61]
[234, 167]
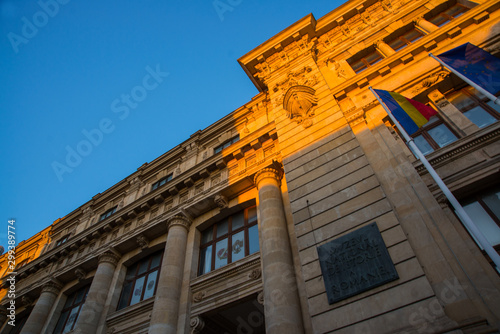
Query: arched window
[141, 280]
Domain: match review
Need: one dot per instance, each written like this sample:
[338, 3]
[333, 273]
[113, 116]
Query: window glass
[140, 280]
[480, 117]
[423, 145]
[71, 311]
[221, 253]
[442, 135]
[484, 222]
[475, 106]
[236, 237]
[492, 201]
[253, 239]
[238, 246]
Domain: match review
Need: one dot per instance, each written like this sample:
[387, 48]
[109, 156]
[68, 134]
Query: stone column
[88, 320]
[384, 49]
[425, 25]
[167, 300]
[39, 315]
[281, 298]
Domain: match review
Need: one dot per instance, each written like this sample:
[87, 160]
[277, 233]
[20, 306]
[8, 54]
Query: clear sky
[136, 77]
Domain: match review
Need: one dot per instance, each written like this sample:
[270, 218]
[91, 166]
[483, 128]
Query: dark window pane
[71, 320]
[492, 201]
[127, 288]
[155, 261]
[206, 260]
[221, 253]
[222, 228]
[238, 220]
[79, 296]
[150, 285]
[207, 235]
[143, 266]
[60, 323]
[238, 246]
[252, 215]
[253, 239]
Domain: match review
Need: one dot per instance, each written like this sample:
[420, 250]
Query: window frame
[108, 213]
[161, 182]
[482, 103]
[230, 233]
[227, 143]
[361, 57]
[401, 37]
[442, 14]
[137, 276]
[62, 240]
[71, 307]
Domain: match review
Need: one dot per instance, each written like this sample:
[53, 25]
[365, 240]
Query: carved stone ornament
[429, 81]
[302, 77]
[267, 173]
[197, 324]
[299, 102]
[221, 201]
[142, 241]
[255, 274]
[180, 221]
[260, 298]
[80, 274]
[198, 297]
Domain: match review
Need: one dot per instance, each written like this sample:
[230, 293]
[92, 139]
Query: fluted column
[39, 314]
[425, 25]
[167, 300]
[384, 49]
[281, 298]
[90, 314]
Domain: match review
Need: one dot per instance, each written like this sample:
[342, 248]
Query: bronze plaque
[355, 262]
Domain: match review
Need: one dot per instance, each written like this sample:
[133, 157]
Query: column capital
[269, 172]
[180, 221]
[52, 286]
[110, 256]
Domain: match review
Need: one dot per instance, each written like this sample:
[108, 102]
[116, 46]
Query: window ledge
[141, 307]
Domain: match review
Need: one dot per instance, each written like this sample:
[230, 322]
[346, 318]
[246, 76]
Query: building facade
[222, 234]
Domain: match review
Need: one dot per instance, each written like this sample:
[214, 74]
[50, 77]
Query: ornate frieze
[302, 77]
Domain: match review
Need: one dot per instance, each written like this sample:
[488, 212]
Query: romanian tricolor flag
[410, 114]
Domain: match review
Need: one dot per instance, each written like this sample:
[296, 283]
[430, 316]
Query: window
[161, 182]
[71, 311]
[62, 240]
[364, 59]
[141, 280]
[475, 106]
[401, 39]
[226, 144]
[107, 213]
[433, 135]
[229, 240]
[446, 15]
[484, 210]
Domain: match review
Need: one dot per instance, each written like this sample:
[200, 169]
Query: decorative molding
[299, 102]
[255, 274]
[260, 298]
[221, 201]
[302, 77]
[52, 286]
[199, 296]
[429, 81]
[266, 173]
[110, 256]
[142, 241]
[80, 274]
[197, 324]
[179, 221]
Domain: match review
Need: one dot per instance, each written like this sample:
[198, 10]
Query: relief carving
[221, 201]
[429, 81]
[301, 77]
[142, 241]
[255, 274]
[197, 324]
[198, 297]
[299, 102]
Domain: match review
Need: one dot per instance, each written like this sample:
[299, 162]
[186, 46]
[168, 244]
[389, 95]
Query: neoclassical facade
[222, 233]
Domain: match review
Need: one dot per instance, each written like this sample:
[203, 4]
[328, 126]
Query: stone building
[221, 234]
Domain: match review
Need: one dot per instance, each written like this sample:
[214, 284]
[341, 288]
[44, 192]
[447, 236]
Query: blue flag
[476, 64]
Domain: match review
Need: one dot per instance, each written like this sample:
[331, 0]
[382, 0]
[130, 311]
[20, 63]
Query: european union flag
[476, 64]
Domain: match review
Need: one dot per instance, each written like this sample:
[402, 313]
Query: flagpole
[456, 205]
[490, 96]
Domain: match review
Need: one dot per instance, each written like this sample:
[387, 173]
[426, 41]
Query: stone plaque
[355, 262]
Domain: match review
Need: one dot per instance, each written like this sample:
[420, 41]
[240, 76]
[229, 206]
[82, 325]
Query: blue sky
[137, 77]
